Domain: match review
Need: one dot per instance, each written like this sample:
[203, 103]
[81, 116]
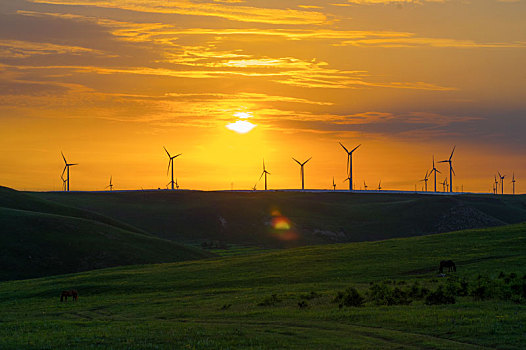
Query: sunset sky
[110, 82]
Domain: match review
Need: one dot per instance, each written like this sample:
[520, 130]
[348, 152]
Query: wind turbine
[496, 185]
[501, 182]
[380, 185]
[451, 171]
[364, 185]
[171, 163]
[425, 179]
[265, 172]
[434, 170]
[302, 172]
[333, 184]
[110, 185]
[513, 182]
[66, 169]
[176, 184]
[349, 164]
[444, 185]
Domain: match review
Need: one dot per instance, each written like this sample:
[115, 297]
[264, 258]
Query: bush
[381, 294]
[350, 297]
[417, 292]
[439, 297]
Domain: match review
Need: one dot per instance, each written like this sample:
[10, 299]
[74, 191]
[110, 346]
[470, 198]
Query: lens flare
[282, 227]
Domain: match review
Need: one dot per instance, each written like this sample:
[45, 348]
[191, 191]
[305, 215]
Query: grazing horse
[449, 264]
[69, 293]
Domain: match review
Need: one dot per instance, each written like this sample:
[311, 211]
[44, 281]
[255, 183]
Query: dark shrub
[381, 294]
[417, 292]
[350, 297]
[439, 297]
[302, 304]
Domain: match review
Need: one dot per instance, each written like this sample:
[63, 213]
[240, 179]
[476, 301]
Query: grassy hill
[42, 238]
[228, 303]
[314, 218]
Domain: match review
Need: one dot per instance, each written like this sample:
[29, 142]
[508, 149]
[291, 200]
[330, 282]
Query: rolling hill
[41, 238]
[248, 302]
[310, 218]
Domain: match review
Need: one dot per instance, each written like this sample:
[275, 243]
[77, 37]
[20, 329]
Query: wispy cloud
[228, 11]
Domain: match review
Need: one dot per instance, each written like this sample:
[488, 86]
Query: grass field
[317, 218]
[213, 303]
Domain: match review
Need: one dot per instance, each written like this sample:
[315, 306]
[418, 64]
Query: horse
[449, 264]
[69, 293]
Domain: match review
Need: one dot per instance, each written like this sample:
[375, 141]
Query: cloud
[23, 49]
[214, 9]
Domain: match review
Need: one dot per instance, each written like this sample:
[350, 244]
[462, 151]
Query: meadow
[251, 301]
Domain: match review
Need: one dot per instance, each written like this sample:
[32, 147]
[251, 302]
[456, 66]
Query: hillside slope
[217, 303]
[311, 218]
[47, 239]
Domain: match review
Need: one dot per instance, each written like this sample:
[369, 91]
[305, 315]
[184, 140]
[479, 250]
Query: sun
[241, 126]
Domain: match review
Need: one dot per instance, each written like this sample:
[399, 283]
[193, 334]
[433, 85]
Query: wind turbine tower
[425, 179]
[302, 173]
[349, 164]
[111, 184]
[265, 172]
[513, 182]
[501, 183]
[364, 185]
[451, 171]
[66, 169]
[333, 184]
[434, 170]
[171, 164]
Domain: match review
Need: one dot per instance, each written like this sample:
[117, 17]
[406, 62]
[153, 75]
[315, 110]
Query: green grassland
[42, 238]
[213, 303]
[244, 217]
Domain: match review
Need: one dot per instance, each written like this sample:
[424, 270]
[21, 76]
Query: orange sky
[110, 82]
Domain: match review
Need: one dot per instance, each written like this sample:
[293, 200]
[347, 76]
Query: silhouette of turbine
[66, 169]
[380, 185]
[110, 185]
[444, 185]
[349, 164]
[495, 185]
[333, 184]
[171, 163]
[364, 185]
[265, 172]
[176, 184]
[513, 182]
[451, 171]
[302, 173]
[425, 179]
[501, 182]
[435, 171]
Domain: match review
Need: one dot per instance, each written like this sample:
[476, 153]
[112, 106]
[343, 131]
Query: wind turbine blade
[438, 171]
[169, 163]
[306, 161]
[346, 150]
[453, 170]
[62, 175]
[177, 155]
[354, 149]
[168, 153]
[63, 157]
[499, 174]
[73, 164]
[444, 161]
[453, 151]
[296, 161]
[263, 173]
[263, 164]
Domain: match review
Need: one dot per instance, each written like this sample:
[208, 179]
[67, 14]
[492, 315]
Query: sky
[110, 82]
